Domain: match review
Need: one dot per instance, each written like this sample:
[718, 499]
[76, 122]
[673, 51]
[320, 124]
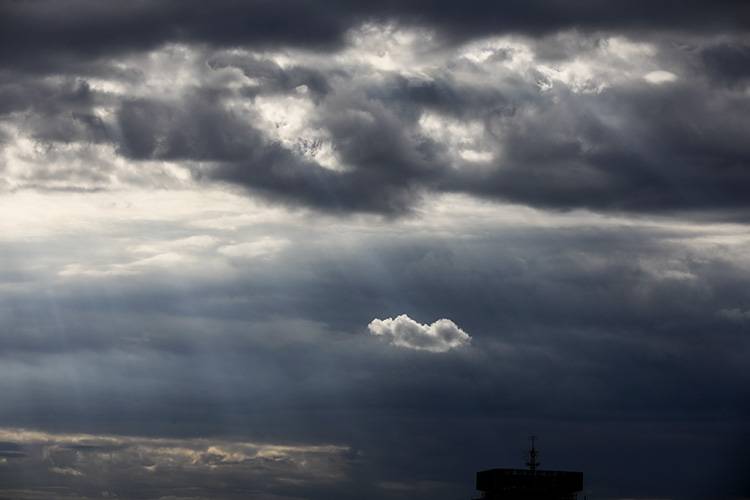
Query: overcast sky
[331, 250]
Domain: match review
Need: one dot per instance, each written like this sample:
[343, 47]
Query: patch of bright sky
[612, 61]
[289, 120]
[465, 139]
[607, 62]
[79, 165]
[211, 218]
[206, 234]
[391, 48]
[508, 51]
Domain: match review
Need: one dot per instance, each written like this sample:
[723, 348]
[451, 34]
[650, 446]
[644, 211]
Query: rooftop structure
[529, 484]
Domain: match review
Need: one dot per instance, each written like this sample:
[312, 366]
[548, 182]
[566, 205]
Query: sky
[286, 250]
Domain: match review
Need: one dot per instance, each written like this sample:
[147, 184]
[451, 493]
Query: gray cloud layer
[44, 28]
[594, 337]
[552, 137]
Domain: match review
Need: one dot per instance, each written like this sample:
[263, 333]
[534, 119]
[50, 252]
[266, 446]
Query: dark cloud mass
[289, 250]
[45, 28]
[598, 335]
[623, 145]
[728, 62]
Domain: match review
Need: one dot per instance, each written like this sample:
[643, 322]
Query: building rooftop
[529, 484]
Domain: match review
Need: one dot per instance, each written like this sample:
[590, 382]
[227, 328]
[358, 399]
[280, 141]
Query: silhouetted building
[529, 484]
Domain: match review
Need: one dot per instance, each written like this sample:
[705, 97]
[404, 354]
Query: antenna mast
[533, 463]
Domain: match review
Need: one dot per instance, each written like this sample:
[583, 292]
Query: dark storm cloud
[368, 135]
[674, 147]
[55, 112]
[40, 34]
[601, 328]
[634, 146]
[411, 96]
[62, 34]
[192, 128]
[728, 62]
[44, 97]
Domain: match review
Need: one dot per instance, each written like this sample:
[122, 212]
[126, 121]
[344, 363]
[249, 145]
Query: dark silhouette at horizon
[529, 484]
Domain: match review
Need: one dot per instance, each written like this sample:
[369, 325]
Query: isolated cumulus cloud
[441, 336]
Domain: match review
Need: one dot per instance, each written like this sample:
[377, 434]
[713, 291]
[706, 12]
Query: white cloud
[466, 140]
[289, 120]
[441, 336]
[659, 77]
